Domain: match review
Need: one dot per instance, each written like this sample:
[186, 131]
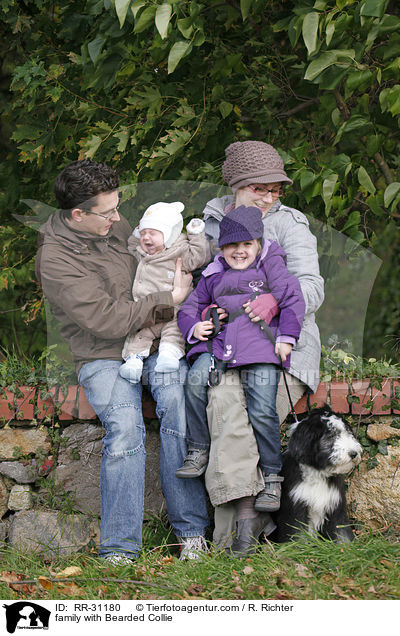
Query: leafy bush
[159, 89]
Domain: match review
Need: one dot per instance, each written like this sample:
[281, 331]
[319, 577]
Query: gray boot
[195, 464]
[269, 499]
[247, 535]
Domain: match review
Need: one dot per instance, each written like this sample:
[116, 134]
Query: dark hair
[82, 180]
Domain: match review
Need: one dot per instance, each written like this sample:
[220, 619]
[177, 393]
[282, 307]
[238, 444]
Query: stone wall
[50, 464]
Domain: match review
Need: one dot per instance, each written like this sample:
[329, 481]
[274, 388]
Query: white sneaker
[192, 548]
[132, 369]
[118, 559]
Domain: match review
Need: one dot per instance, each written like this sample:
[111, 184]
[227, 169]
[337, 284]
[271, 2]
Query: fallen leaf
[248, 569]
[70, 589]
[302, 570]
[282, 596]
[372, 589]
[12, 579]
[168, 559]
[8, 576]
[238, 590]
[45, 583]
[337, 590]
[195, 589]
[71, 571]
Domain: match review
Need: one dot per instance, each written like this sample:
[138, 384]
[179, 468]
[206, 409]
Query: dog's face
[324, 441]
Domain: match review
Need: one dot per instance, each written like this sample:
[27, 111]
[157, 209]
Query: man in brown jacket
[86, 274]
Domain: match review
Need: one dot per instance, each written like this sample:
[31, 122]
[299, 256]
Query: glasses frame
[109, 214]
[275, 194]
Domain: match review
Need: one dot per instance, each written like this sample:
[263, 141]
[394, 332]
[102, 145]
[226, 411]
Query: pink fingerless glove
[265, 307]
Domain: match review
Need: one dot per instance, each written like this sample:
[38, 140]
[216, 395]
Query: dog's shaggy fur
[321, 449]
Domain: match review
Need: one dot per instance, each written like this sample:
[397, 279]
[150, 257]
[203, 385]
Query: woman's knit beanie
[250, 162]
[241, 224]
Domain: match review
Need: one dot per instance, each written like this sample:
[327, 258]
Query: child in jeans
[248, 265]
[157, 243]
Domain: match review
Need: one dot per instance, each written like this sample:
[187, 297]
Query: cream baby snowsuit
[155, 272]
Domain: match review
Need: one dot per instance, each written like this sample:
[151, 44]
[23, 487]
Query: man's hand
[284, 349]
[202, 330]
[182, 284]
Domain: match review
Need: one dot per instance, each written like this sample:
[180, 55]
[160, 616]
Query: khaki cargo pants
[233, 465]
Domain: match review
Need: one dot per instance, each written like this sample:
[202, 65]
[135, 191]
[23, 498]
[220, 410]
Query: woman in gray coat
[255, 172]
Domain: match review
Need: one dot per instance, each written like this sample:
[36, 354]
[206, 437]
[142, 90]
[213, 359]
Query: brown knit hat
[250, 162]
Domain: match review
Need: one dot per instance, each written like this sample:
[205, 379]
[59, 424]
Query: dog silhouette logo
[26, 615]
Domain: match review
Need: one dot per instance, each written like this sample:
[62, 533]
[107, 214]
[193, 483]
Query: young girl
[247, 266]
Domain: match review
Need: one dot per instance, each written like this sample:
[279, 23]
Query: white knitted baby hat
[166, 218]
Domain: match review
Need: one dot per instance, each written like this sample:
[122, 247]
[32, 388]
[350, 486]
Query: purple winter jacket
[241, 341]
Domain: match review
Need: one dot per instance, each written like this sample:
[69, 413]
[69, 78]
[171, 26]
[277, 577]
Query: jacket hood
[216, 207]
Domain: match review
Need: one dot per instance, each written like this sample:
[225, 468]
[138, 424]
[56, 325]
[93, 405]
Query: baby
[157, 243]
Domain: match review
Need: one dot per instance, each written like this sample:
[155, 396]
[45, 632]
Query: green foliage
[337, 364]
[367, 568]
[159, 89]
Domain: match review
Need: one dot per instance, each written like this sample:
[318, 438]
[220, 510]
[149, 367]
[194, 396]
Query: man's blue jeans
[260, 385]
[118, 404]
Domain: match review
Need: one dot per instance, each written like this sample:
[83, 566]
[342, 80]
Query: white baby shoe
[168, 358]
[132, 369]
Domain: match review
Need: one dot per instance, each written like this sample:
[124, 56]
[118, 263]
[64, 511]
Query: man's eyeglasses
[108, 215]
[260, 189]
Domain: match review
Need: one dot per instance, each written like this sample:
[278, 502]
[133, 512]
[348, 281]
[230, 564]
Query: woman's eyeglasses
[260, 189]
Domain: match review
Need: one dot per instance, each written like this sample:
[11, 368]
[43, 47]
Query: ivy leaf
[90, 146]
[325, 60]
[121, 7]
[389, 100]
[374, 8]
[225, 109]
[145, 19]
[356, 122]
[310, 31]
[365, 180]
[328, 188]
[163, 16]
[135, 8]
[390, 193]
[177, 52]
[94, 48]
[354, 220]
[245, 6]
[123, 138]
[185, 26]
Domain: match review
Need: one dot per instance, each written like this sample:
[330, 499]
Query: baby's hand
[202, 330]
[284, 349]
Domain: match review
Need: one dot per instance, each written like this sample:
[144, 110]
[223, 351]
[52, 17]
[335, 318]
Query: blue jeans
[260, 385]
[118, 404]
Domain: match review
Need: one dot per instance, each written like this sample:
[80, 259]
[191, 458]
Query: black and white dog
[321, 449]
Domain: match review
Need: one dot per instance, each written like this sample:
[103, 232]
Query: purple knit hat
[241, 224]
[250, 162]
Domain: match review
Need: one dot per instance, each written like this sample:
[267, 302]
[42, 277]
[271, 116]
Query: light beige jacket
[155, 272]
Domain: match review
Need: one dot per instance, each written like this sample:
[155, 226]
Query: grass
[368, 568]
